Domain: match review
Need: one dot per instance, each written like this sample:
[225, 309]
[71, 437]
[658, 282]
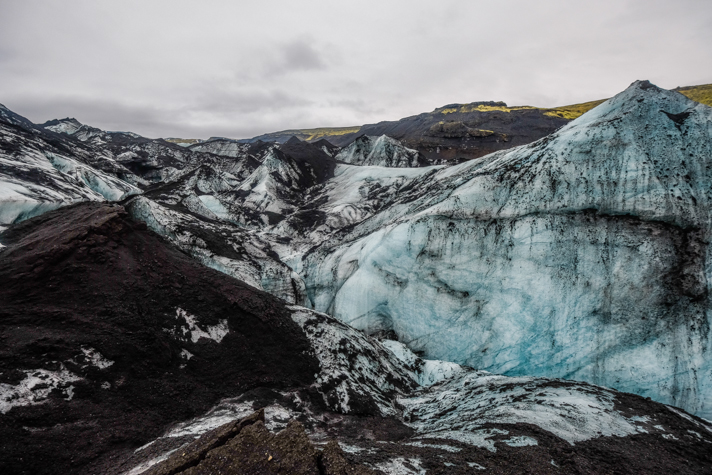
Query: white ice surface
[460, 406]
[35, 388]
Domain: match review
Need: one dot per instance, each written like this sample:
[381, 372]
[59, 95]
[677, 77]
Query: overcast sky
[194, 69]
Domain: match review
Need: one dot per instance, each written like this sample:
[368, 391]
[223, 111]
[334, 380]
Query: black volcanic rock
[120, 332]
[455, 133]
[310, 159]
[327, 147]
[246, 446]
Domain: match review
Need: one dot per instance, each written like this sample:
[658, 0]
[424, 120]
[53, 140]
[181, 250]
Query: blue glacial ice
[583, 256]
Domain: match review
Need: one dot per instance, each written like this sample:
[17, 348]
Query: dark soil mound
[246, 446]
[139, 327]
[316, 166]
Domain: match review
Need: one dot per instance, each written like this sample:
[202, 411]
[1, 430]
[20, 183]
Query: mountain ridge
[411, 131]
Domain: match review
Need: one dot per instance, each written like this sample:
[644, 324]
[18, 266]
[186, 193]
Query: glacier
[381, 151]
[583, 256]
[36, 176]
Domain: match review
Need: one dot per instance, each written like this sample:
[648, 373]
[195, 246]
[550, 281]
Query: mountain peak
[643, 84]
[66, 120]
[68, 125]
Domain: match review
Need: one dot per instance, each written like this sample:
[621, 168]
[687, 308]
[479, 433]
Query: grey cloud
[300, 54]
[247, 101]
[166, 68]
[238, 115]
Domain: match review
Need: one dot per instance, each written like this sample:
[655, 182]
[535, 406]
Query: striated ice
[584, 255]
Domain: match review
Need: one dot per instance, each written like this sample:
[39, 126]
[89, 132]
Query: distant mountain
[458, 132]
[310, 135]
[380, 151]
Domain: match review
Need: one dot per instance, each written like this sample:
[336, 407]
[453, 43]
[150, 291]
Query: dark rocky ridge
[457, 136]
[87, 276]
[246, 446]
[444, 136]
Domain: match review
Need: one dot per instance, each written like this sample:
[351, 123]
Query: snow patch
[211, 332]
[447, 448]
[478, 437]
[36, 387]
[521, 441]
[402, 466]
[94, 358]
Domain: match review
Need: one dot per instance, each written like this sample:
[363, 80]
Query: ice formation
[582, 256]
[381, 151]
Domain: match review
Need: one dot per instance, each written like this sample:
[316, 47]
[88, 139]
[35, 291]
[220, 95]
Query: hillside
[309, 135]
[458, 132]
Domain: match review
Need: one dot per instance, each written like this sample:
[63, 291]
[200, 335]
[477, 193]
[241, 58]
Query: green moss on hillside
[573, 111]
[701, 94]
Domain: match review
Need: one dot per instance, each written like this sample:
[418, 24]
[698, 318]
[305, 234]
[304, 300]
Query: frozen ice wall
[582, 256]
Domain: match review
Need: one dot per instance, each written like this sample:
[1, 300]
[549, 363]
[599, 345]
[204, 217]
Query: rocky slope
[109, 335]
[380, 151]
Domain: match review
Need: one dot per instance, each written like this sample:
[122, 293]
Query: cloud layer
[199, 69]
